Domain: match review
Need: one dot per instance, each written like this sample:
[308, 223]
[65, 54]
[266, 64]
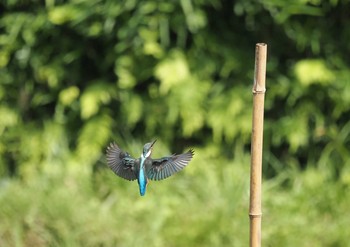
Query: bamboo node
[255, 215]
[258, 90]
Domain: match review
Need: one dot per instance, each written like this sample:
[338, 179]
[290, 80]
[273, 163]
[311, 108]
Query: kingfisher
[145, 168]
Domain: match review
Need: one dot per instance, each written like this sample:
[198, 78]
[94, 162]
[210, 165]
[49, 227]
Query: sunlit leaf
[310, 71]
[93, 97]
[172, 71]
[68, 95]
[62, 14]
[8, 118]
[93, 136]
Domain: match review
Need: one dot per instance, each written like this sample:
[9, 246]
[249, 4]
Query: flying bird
[145, 168]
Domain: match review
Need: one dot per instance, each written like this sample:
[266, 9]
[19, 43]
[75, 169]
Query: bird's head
[147, 149]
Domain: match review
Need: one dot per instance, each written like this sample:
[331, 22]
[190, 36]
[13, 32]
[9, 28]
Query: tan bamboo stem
[255, 213]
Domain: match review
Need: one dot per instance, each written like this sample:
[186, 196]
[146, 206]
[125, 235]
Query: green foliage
[318, 207]
[200, 207]
[75, 75]
[161, 72]
[74, 210]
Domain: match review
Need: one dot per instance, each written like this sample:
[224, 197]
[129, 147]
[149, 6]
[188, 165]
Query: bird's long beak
[153, 142]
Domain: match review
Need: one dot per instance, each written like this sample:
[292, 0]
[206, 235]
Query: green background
[76, 75]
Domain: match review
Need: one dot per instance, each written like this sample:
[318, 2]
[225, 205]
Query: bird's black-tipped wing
[121, 162]
[165, 167]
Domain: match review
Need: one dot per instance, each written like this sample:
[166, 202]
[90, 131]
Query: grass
[205, 205]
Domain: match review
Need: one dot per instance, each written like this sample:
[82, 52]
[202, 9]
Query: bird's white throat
[147, 154]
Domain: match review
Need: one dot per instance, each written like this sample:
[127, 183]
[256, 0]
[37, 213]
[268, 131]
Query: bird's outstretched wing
[121, 162]
[164, 167]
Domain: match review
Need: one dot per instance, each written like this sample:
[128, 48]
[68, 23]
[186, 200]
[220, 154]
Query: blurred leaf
[4, 58]
[62, 14]
[93, 136]
[96, 94]
[172, 71]
[311, 71]
[229, 117]
[195, 18]
[8, 118]
[132, 109]
[123, 69]
[68, 95]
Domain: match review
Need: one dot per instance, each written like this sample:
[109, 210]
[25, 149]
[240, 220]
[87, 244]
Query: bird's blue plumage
[142, 179]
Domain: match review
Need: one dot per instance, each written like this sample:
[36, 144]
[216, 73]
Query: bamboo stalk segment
[259, 89]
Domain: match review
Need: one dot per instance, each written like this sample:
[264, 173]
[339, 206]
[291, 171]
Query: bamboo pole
[255, 213]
